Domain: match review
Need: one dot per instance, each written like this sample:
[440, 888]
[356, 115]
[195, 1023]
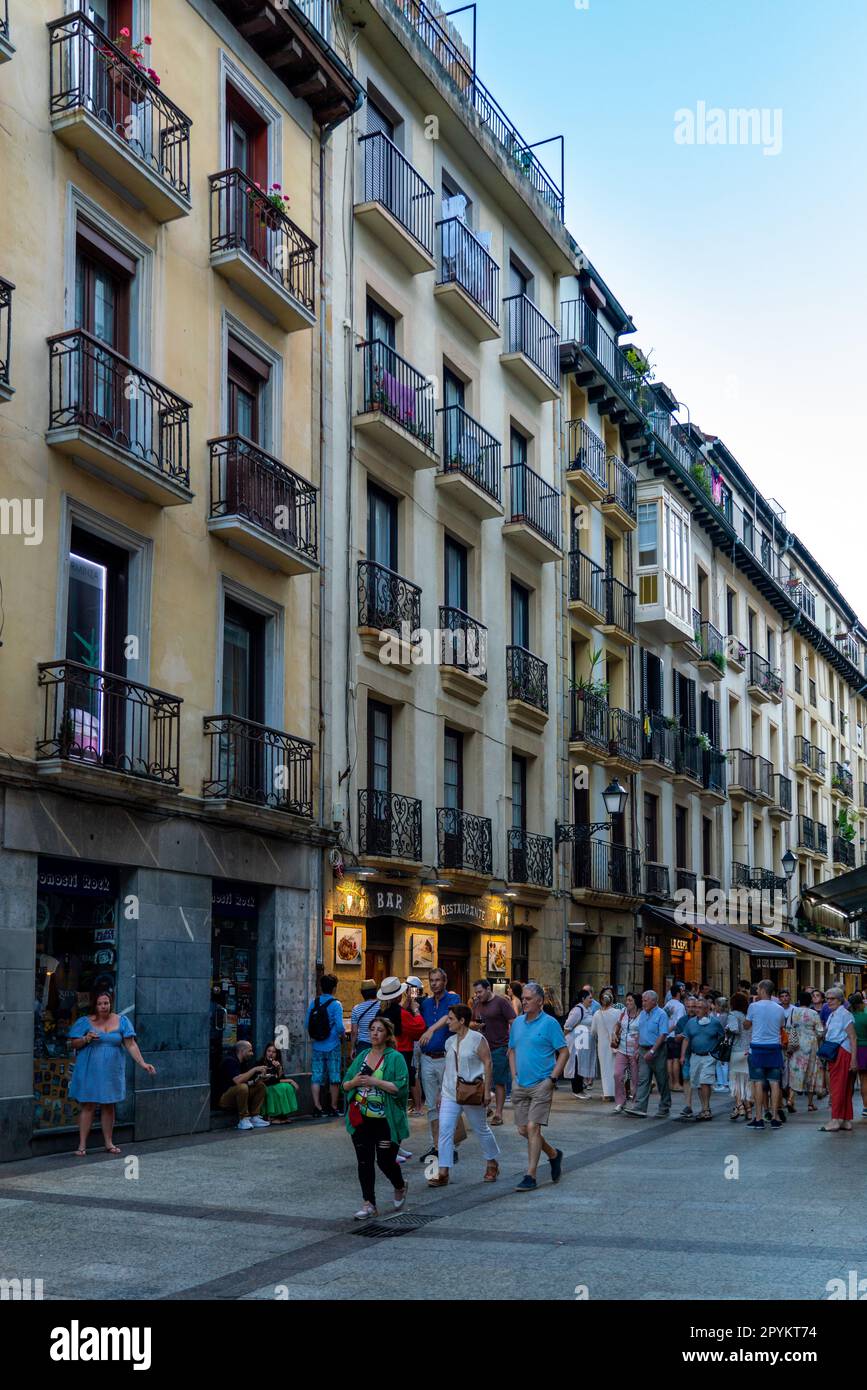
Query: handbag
[828, 1051]
[467, 1092]
[723, 1049]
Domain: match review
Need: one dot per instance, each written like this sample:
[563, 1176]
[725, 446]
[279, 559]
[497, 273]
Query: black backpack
[319, 1023]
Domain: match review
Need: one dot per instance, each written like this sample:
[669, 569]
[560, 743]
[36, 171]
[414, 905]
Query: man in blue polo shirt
[653, 1024]
[435, 1012]
[537, 1058]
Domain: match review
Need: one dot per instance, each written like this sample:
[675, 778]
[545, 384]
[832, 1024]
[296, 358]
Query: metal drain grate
[395, 1226]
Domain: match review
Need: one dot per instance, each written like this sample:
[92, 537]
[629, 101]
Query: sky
[744, 272]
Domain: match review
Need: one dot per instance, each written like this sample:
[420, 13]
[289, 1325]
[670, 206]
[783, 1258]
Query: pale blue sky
[744, 273]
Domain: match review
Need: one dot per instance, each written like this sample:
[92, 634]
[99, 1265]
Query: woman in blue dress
[100, 1041]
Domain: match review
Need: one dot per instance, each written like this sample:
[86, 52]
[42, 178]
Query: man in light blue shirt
[653, 1024]
[537, 1057]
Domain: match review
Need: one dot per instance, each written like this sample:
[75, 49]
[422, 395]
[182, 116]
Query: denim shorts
[765, 1063]
[326, 1067]
[500, 1068]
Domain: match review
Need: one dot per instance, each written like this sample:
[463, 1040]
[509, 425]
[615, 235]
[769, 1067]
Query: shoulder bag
[467, 1092]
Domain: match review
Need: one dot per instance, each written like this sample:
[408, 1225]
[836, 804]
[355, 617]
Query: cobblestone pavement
[645, 1209]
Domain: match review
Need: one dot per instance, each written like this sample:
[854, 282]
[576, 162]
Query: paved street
[644, 1210]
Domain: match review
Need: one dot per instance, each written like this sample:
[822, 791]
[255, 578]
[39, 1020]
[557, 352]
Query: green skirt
[280, 1100]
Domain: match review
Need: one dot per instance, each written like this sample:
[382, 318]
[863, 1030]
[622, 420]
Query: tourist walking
[466, 1090]
[764, 1022]
[100, 1039]
[676, 1009]
[806, 1031]
[858, 1010]
[720, 1010]
[701, 1037]
[435, 1013]
[652, 1035]
[362, 1016]
[739, 1075]
[376, 1086]
[537, 1057]
[602, 1028]
[626, 1054]
[581, 1063]
[840, 1051]
[326, 1031]
[493, 1017]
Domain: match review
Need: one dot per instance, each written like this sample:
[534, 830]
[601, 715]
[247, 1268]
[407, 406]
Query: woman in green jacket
[377, 1085]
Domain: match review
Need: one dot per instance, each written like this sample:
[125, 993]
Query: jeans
[478, 1121]
[372, 1140]
[722, 1073]
[623, 1064]
[646, 1072]
[432, 1071]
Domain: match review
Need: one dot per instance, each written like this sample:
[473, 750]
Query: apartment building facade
[160, 663]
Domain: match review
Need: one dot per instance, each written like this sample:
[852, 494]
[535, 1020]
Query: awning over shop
[848, 893]
[724, 935]
[804, 946]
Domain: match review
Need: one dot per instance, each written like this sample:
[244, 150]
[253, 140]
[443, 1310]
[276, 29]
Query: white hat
[414, 981]
[391, 988]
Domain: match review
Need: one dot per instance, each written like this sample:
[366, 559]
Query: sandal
[811, 1106]
[441, 1180]
[704, 1115]
[492, 1172]
[81, 1153]
[830, 1129]
[495, 1120]
[112, 1149]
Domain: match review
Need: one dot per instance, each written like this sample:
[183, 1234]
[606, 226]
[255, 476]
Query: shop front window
[234, 934]
[76, 954]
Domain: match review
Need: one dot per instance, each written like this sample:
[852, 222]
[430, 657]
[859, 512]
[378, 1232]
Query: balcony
[389, 827]
[843, 854]
[618, 616]
[585, 587]
[532, 348]
[800, 594]
[526, 689]
[586, 467]
[665, 606]
[848, 647]
[6, 47]
[584, 337]
[688, 762]
[736, 654]
[809, 838]
[818, 765]
[803, 754]
[624, 740]
[763, 683]
[764, 780]
[472, 465]
[262, 767]
[781, 806]
[601, 870]
[119, 122]
[260, 507]
[741, 875]
[397, 205]
[656, 881]
[685, 882]
[714, 780]
[261, 252]
[619, 503]
[659, 750]
[742, 775]
[465, 846]
[463, 655]
[534, 514]
[389, 614]
[116, 421]
[6, 291]
[468, 280]
[398, 407]
[864, 796]
[842, 781]
[589, 726]
[104, 723]
[531, 863]
[712, 654]
[821, 840]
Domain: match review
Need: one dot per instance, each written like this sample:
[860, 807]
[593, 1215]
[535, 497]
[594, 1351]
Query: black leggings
[577, 1085]
[372, 1139]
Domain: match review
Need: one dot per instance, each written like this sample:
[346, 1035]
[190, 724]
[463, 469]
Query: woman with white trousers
[468, 1070]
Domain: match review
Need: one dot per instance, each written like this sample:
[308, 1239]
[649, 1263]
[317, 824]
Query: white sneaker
[258, 1123]
[617, 1109]
[364, 1212]
[245, 1124]
[400, 1202]
[580, 1095]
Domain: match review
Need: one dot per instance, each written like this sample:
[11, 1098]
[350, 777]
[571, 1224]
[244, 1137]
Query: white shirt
[767, 1018]
[675, 1011]
[835, 1028]
[471, 1064]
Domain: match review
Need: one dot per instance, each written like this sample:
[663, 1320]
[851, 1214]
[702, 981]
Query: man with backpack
[325, 1028]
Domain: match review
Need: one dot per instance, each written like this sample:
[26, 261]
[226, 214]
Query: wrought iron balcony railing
[93, 387]
[764, 778]
[319, 14]
[90, 72]
[742, 875]
[589, 719]
[251, 762]
[688, 754]
[243, 218]
[763, 677]
[464, 642]
[585, 581]
[389, 178]
[463, 260]
[394, 387]
[6, 291]
[107, 721]
[529, 332]
[842, 779]
[711, 644]
[742, 770]
[818, 761]
[454, 59]
[580, 324]
[586, 452]
[526, 678]
[472, 451]
[806, 832]
[619, 605]
[821, 838]
[534, 502]
[660, 738]
[803, 751]
[624, 735]
[685, 881]
[783, 792]
[464, 841]
[601, 867]
[621, 486]
[714, 766]
[531, 859]
[848, 645]
[656, 880]
[247, 482]
[843, 852]
[389, 826]
[387, 601]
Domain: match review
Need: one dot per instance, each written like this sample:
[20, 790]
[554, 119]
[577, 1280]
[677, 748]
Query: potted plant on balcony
[271, 205]
[847, 826]
[591, 685]
[131, 85]
[719, 660]
[700, 474]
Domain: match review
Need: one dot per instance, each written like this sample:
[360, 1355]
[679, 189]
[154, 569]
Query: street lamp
[614, 797]
[790, 864]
